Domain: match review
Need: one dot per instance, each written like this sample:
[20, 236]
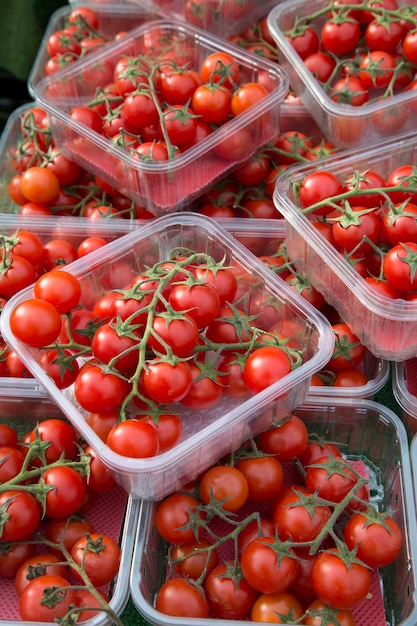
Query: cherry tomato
[377, 538]
[99, 556]
[180, 598]
[134, 438]
[35, 322]
[265, 477]
[227, 485]
[341, 585]
[227, 599]
[32, 608]
[172, 517]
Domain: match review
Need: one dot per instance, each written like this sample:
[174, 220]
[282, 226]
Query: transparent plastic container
[113, 513]
[207, 434]
[161, 186]
[262, 237]
[404, 387]
[386, 326]
[344, 125]
[369, 432]
[220, 17]
[112, 19]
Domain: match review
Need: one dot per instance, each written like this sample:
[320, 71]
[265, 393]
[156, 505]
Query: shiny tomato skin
[225, 599]
[321, 614]
[30, 602]
[398, 266]
[226, 484]
[60, 288]
[172, 514]
[60, 435]
[318, 186]
[286, 441]
[67, 492]
[378, 543]
[178, 597]
[67, 531]
[337, 584]
[201, 302]
[23, 515]
[193, 560]
[134, 438]
[166, 383]
[270, 606]
[331, 479]
[96, 390]
[266, 570]
[296, 521]
[99, 555]
[264, 367]
[265, 476]
[38, 565]
[12, 556]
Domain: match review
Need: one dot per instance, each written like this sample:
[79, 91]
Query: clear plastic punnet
[112, 513]
[385, 325]
[207, 433]
[162, 186]
[344, 124]
[370, 435]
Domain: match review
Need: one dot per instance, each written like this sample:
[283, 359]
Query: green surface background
[22, 25]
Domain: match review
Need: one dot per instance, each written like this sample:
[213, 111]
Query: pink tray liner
[107, 516]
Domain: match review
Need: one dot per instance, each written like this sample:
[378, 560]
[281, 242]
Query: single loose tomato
[35, 322]
[134, 438]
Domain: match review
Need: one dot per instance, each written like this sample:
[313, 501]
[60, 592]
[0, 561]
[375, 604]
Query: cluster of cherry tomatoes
[347, 367]
[370, 218]
[283, 531]
[49, 484]
[25, 256]
[45, 182]
[160, 101]
[77, 37]
[359, 51]
[178, 332]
